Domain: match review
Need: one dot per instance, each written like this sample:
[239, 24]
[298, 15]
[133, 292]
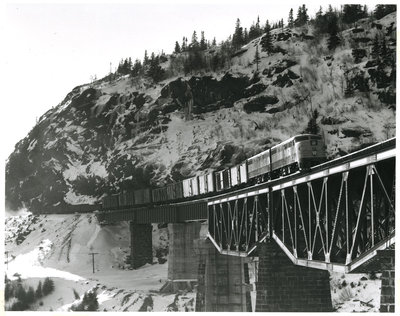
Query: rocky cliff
[127, 132]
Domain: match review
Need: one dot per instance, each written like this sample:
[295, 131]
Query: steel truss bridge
[335, 217]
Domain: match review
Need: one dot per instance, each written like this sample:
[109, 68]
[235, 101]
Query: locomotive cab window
[301, 138]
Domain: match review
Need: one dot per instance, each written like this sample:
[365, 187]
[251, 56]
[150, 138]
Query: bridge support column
[222, 281]
[141, 244]
[182, 259]
[285, 287]
[386, 260]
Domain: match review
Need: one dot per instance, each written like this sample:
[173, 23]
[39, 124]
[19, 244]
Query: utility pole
[7, 257]
[92, 254]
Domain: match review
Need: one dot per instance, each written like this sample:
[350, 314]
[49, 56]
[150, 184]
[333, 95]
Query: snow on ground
[58, 246]
[355, 292]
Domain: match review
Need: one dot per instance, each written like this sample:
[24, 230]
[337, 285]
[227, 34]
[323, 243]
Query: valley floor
[59, 247]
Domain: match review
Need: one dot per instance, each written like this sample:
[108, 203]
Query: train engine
[297, 153]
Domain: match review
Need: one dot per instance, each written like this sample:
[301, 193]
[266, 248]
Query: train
[298, 153]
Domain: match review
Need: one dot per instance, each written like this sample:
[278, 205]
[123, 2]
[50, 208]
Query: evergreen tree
[257, 58]
[20, 293]
[203, 43]
[155, 71]
[136, 68]
[8, 291]
[38, 292]
[258, 28]
[375, 48]
[312, 126]
[177, 48]
[298, 21]
[352, 13]
[48, 286]
[194, 45]
[304, 16]
[30, 295]
[266, 41]
[146, 58]
[381, 10]
[246, 37]
[290, 19]
[183, 49]
[237, 38]
[333, 40]
[89, 303]
[214, 42]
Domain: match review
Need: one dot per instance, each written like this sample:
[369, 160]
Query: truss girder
[332, 220]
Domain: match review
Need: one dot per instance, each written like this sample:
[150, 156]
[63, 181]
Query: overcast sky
[51, 48]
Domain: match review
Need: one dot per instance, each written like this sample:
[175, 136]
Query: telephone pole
[7, 257]
[92, 254]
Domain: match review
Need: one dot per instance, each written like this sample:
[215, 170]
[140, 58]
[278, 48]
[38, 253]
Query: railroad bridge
[270, 247]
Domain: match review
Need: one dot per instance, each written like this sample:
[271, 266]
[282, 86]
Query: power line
[93, 254]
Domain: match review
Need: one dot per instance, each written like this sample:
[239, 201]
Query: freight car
[298, 153]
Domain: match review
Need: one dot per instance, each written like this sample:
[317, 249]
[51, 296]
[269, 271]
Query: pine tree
[237, 38]
[352, 13]
[257, 58]
[48, 286]
[333, 40]
[30, 295]
[146, 58]
[258, 28]
[266, 41]
[375, 48]
[214, 42]
[136, 68]
[290, 19]
[183, 49]
[38, 292]
[177, 48]
[246, 37]
[155, 71]
[299, 19]
[304, 16]
[203, 43]
[194, 45]
[312, 126]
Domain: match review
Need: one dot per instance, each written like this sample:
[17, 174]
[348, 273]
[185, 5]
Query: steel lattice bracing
[334, 218]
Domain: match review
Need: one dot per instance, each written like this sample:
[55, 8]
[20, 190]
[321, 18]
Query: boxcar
[190, 187]
[142, 196]
[126, 198]
[159, 194]
[239, 174]
[258, 164]
[206, 183]
[111, 201]
[223, 180]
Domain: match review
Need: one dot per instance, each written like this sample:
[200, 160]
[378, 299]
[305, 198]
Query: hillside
[125, 132]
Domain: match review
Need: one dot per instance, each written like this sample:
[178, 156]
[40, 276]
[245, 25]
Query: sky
[49, 48]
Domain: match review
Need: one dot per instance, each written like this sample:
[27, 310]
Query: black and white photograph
[198, 156]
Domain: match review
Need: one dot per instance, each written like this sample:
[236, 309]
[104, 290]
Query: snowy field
[58, 246]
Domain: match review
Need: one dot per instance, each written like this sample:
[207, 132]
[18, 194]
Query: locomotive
[298, 153]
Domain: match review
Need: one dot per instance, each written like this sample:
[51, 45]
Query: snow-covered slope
[130, 133]
[58, 246]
